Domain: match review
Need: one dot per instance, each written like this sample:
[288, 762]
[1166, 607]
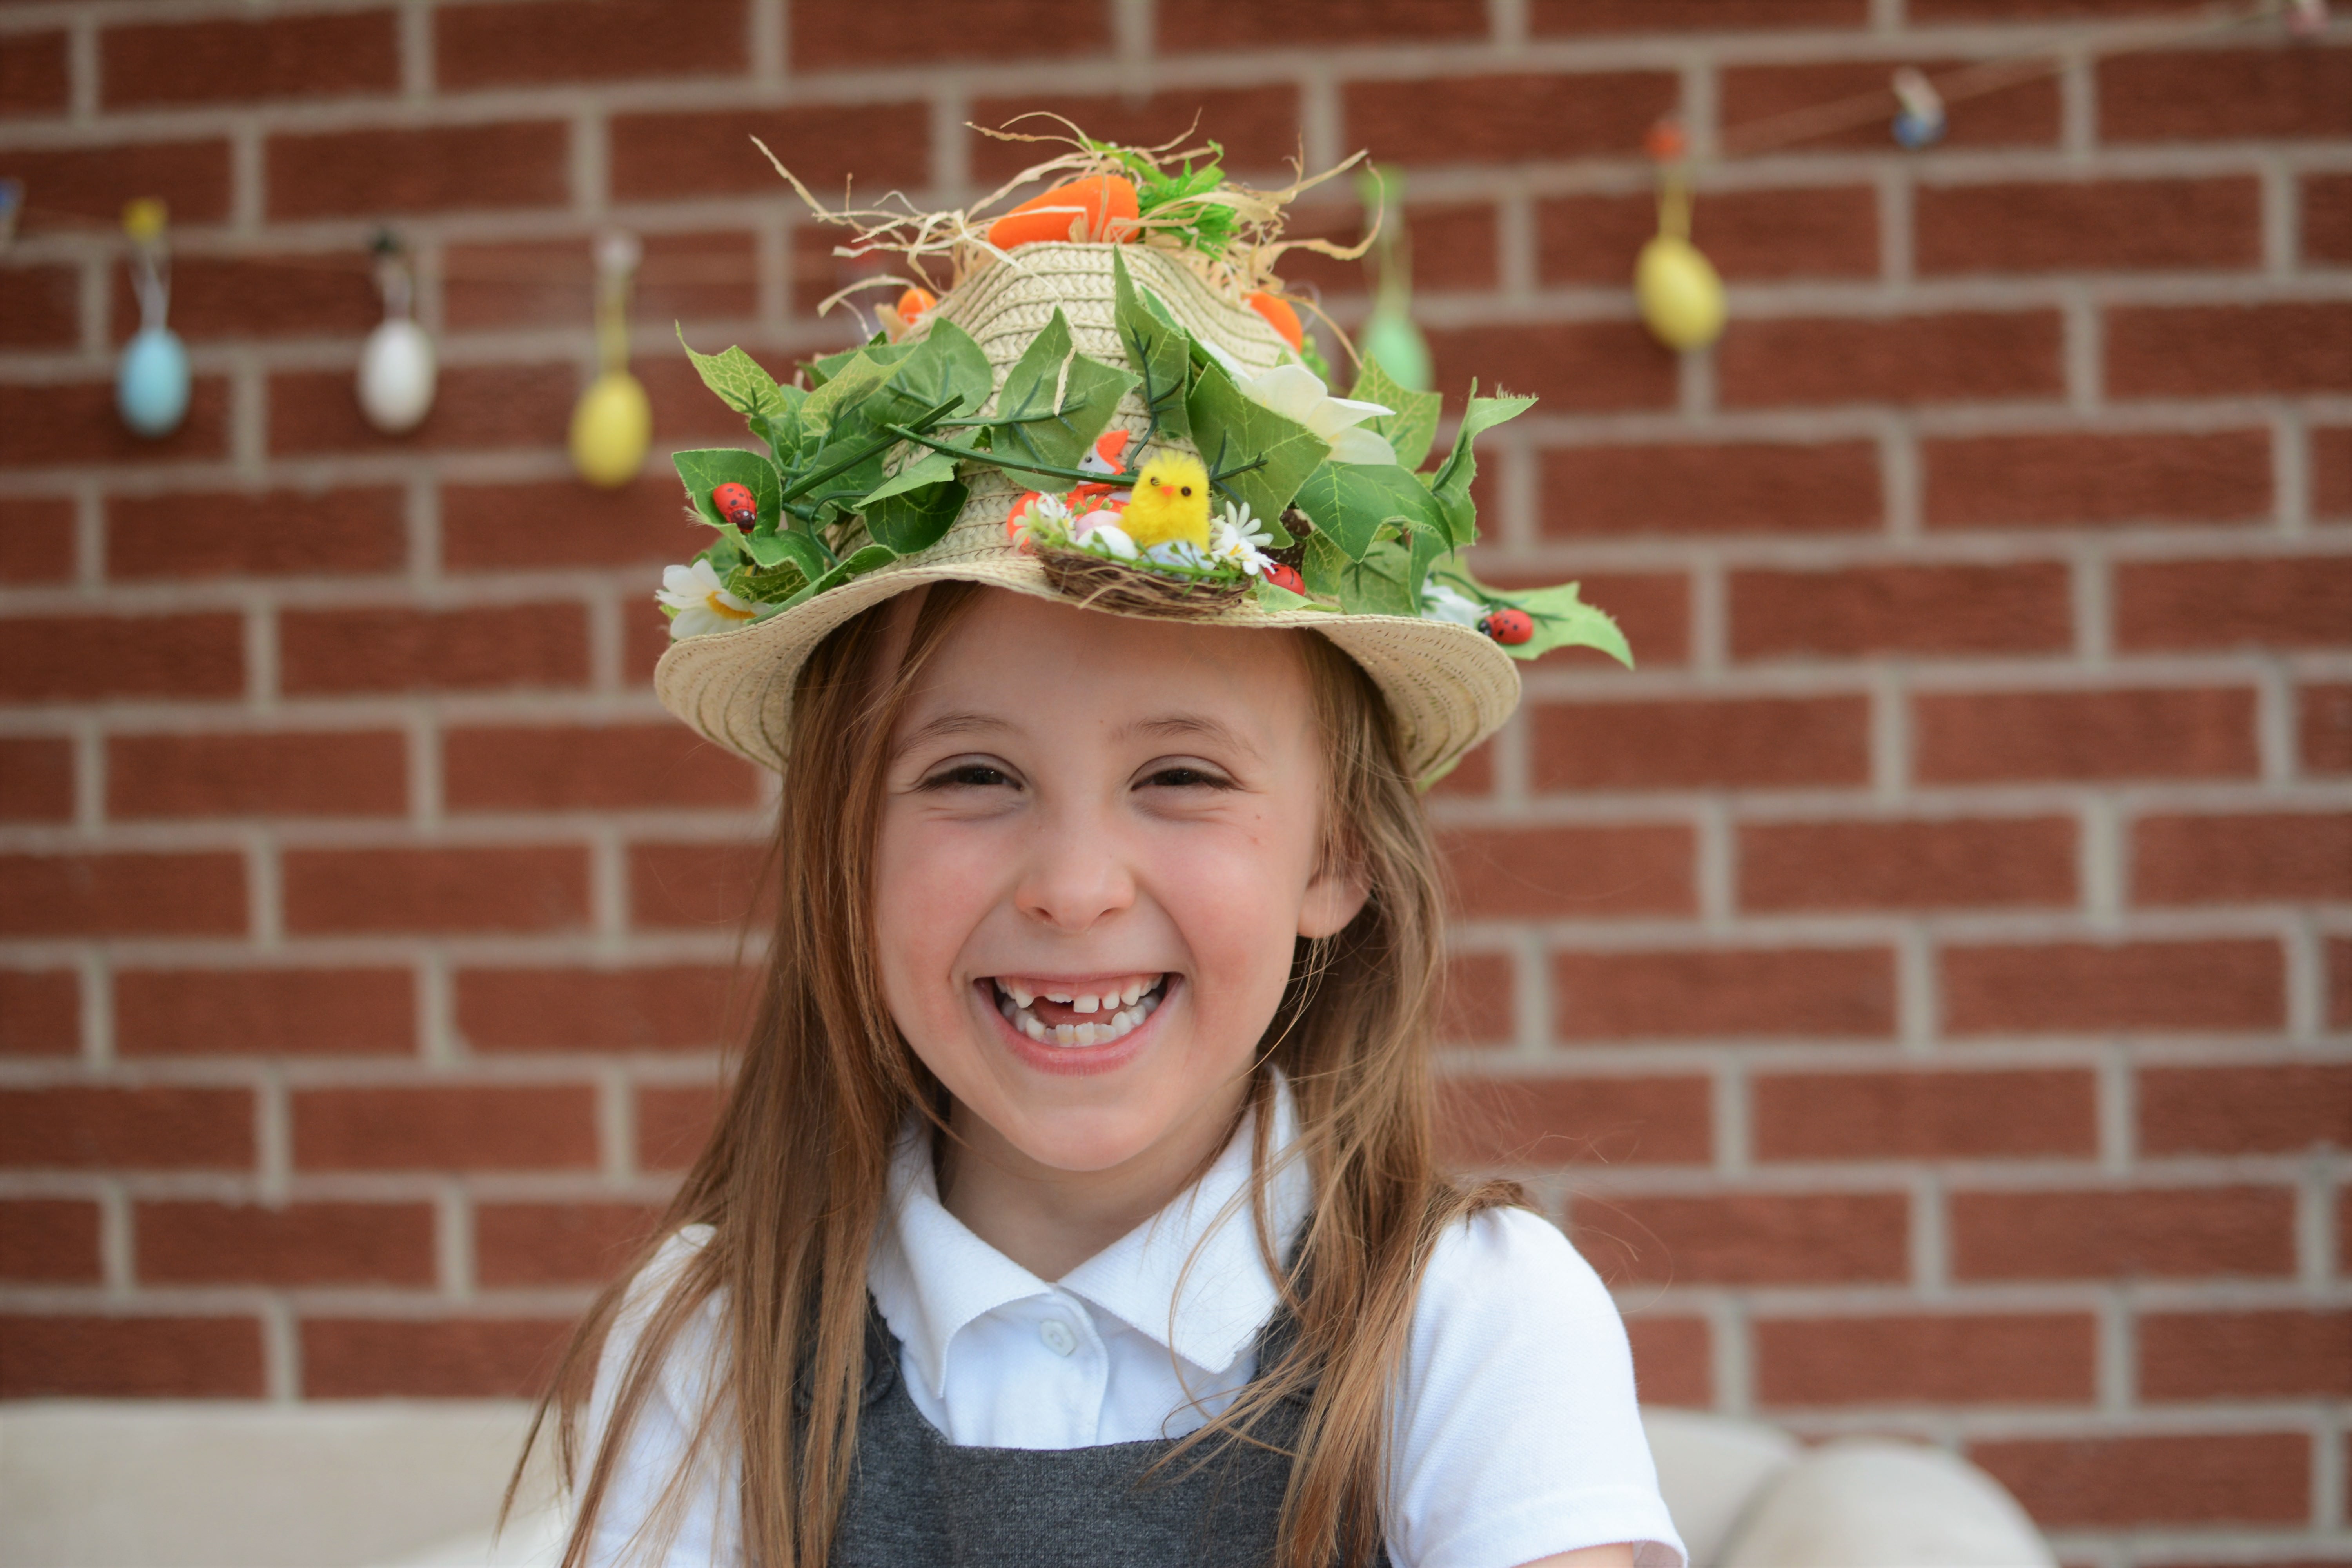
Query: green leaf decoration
[855, 565]
[1156, 348]
[1030, 422]
[1451, 484]
[1231, 430]
[824, 367]
[945, 366]
[705, 470]
[1379, 583]
[1413, 427]
[766, 584]
[738, 380]
[1564, 620]
[914, 519]
[1275, 597]
[853, 381]
[726, 553]
[933, 468]
[775, 547]
[1353, 503]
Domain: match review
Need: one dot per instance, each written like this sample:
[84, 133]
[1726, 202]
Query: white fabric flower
[1237, 539]
[1439, 603]
[1297, 393]
[702, 601]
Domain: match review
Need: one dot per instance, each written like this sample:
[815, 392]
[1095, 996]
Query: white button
[1057, 1336]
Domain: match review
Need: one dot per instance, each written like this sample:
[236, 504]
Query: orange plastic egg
[1103, 207]
[914, 302]
[1280, 317]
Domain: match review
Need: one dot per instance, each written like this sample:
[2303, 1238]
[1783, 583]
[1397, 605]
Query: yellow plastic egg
[610, 427]
[1681, 296]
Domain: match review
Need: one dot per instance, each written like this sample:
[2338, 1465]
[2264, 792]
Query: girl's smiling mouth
[1073, 1015]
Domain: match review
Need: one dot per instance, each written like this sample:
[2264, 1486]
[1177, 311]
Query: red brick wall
[1926, 986]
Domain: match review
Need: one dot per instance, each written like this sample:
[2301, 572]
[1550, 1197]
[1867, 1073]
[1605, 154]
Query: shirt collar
[931, 1275]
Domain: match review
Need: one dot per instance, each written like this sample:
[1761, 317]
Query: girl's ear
[1333, 897]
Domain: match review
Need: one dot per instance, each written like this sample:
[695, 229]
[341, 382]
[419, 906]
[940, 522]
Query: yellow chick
[1171, 502]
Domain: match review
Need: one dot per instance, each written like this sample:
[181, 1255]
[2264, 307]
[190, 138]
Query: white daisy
[702, 601]
[1237, 539]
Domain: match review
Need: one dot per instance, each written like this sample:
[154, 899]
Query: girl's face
[1098, 840]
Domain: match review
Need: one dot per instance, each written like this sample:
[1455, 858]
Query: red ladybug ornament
[737, 504]
[1283, 576]
[1510, 627]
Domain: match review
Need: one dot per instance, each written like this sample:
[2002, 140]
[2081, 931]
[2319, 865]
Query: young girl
[1074, 1200]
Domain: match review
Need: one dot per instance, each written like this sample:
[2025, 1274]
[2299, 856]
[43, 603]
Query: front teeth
[1142, 999]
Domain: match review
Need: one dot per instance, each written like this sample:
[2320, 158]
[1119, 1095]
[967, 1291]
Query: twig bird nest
[1105, 585]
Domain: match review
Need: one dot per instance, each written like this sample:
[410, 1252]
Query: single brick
[192, 178]
[33, 74]
[40, 1013]
[1554, 1121]
[694, 884]
[90, 659]
[496, 407]
[1748, 1238]
[2281, 602]
[1674, 1359]
[36, 539]
[666, 1008]
[2122, 1480]
[1506, 119]
[2298, 858]
[1823, 993]
[588, 40]
[707, 275]
[837, 37]
[2086, 480]
[59, 423]
[1830, 231]
[36, 779]
[50, 1241]
[263, 1012]
[1480, 1005]
[434, 1358]
[2213, 351]
[343, 55]
[1572, 366]
[521, 888]
[529, 1245]
[2079, 987]
[2113, 1235]
[1962, 356]
[590, 768]
[1986, 737]
[122, 893]
[479, 1127]
[511, 527]
[2279, 1109]
[257, 533]
[419, 169]
[1863, 610]
[1679, 488]
[701, 152]
[62, 1357]
[2326, 728]
[2327, 203]
[87, 1127]
[1739, 742]
[1916, 1115]
[295, 295]
[2089, 226]
[1572, 873]
[2208, 95]
[1691, 16]
[299, 1244]
[2243, 1354]
[391, 648]
[295, 773]
[2024, 114]
[1961, 863]
[1240, 25]
[40, 307]
[673, 1124]
[2010, 1358]
[1257, 126]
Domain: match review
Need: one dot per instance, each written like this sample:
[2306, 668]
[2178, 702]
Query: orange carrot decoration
[1280, 317]
[1103, 207]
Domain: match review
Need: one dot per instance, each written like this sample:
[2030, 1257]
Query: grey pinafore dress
[917, 1501]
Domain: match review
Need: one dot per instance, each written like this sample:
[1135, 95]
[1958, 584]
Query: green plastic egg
[1681, 296]
[610, 427]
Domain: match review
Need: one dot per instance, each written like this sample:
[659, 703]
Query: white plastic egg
[396, 375]
[611, 425]
[151, 383]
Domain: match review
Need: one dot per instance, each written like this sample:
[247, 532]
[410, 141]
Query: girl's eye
[1183, 777]
[968, 775]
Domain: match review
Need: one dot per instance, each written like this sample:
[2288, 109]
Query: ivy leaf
[933, 468]
[852, 381]
[772, 548]
[767, 584]
[1562, 619]
[1089, 390]
[1352, 503]
[1451, 483]
[738, 380]
[705, 470]
[1229, 429]
[914, 519]
[824, 367]
[1413, 427]
[855, 565]
[1157, 350]
[945, 364]
[1378, 584]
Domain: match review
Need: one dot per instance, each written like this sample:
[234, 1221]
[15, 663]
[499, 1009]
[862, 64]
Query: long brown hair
[793, 1179]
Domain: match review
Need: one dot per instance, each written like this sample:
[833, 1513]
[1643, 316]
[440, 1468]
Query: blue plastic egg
[1913, 131]
[151, 385]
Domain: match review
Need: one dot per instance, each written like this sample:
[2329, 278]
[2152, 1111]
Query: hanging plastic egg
[151, 383]
[396, 375]
[1681, 296]
[1391, 338]
[611, 427]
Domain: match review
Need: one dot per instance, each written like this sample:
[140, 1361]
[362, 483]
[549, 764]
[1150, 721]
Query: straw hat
[1448, 684]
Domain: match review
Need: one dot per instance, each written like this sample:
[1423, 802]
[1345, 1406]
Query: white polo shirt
[1517, 1432]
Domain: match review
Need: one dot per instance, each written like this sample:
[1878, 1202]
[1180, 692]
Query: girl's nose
[1074, 879]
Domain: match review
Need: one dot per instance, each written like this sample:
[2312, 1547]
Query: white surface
[1710, 1468]
[1867, 1504]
